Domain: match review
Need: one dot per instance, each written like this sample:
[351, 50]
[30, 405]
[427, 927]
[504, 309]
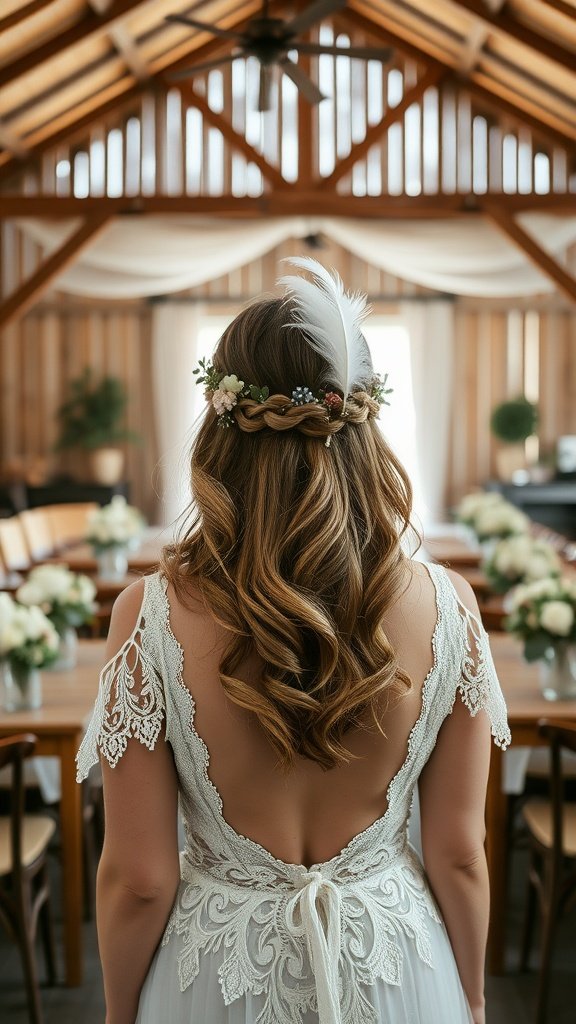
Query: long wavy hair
[295, 546]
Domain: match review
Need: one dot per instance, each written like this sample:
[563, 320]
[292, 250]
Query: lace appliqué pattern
[314, 942]
[479, 686]
[130, 703]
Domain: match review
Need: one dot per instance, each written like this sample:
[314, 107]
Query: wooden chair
[68, 523]
[36, 528]
[13, 547]
[551, 826]
[24, 884]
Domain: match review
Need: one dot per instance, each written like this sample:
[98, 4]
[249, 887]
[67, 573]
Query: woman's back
[307, 815]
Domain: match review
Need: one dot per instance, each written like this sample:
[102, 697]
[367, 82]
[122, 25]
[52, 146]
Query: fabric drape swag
[153, 255]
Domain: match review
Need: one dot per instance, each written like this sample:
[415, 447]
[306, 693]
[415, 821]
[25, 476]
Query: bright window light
[389, 343]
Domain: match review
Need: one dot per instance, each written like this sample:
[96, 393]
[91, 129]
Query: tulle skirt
[426, 996]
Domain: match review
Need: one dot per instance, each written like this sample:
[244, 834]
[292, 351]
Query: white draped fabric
[431, 329]
[177, 400]
[151, 255]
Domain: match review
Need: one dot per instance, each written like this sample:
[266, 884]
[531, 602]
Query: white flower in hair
[231, 383]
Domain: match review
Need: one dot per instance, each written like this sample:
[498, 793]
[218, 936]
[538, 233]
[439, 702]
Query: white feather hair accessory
[331, 318]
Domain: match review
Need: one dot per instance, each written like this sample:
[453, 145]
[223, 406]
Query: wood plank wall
[502, 348]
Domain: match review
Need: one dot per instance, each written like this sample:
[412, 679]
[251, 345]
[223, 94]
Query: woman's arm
[138, 873]
[452, 791]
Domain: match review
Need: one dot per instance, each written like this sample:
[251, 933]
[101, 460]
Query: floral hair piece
[331, 321]
[225, 390]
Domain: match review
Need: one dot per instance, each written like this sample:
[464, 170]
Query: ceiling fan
[270, 40]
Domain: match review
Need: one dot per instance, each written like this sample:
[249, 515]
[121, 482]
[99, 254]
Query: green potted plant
[91, 419]
[512, 422]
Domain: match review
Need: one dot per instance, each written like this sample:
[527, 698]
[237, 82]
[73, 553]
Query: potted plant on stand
[512, 422]
[92, 419]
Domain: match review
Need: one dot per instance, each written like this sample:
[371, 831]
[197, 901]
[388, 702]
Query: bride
[288, 678]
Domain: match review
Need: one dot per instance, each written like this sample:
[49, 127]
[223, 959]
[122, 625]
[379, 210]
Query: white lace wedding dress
[254, 940]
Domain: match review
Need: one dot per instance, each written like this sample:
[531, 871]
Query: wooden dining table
[520, 683]
[68, 698]
[81, 558]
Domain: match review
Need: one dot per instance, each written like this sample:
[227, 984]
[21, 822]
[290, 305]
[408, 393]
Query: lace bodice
[304, 938]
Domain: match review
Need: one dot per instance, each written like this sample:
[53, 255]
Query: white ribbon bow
[323, 943]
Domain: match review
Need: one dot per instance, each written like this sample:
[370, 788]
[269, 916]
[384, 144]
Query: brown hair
[294, 546]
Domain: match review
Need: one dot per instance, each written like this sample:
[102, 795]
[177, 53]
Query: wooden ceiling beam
[503, 219]
[118, 103]
[373, 135]
[23, 12]
[506, 25]
[31, 290]
[234, 138]
[285, 202]
[123, 43]
[475, 42]
[128, 50]
[489, 98]
[11, 142]
[92, 24]
[561, 7]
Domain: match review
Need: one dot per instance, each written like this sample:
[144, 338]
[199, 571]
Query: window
[389, 343]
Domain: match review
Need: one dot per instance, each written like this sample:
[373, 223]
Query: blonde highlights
[294, 546]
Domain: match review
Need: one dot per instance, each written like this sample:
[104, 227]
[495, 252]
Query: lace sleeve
[130, 704]
[479, 686]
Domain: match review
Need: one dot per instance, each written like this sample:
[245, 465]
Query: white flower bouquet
[520, 559]
[543, 614]
[27, 637]
[117, 525]
[490, 516]
[67, 598]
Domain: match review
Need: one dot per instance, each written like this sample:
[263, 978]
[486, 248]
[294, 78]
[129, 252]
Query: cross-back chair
[551, 827]
[13, 547]
[37, 532]
[24, 883]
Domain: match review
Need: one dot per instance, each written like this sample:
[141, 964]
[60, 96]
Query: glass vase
[558, 672]
[112, 563]
[67, 651]
[21, 688]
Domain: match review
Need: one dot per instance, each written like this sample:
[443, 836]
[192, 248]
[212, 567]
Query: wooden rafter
[23, 12]
[290, 202]
[565, 282]
[123, 43]
[475, 42]
[234, 138]
[89, 26]
[373, 135]
[506, 25]
[489, 98]
[11, 142]
[561, 7]
[121, 101]
[28, 292]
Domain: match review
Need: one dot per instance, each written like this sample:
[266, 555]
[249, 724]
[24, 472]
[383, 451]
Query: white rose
[53, 580]
[557, 617]
[30, 593]
[538, 567]
[12, 636]
[231, 383]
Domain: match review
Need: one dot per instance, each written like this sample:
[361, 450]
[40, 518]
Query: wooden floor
[510, 999]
